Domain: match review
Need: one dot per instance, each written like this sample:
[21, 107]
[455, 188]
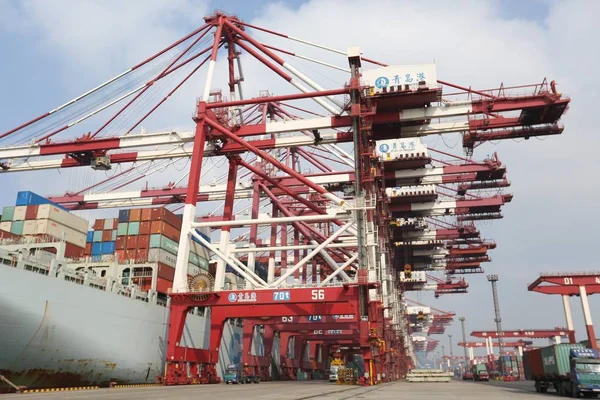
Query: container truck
[480, 372]
[235, 373]
[570, 369]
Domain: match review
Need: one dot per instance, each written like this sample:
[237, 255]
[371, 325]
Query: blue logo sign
[232, 297]
[282, 296]
[382, 82]
[384, 148]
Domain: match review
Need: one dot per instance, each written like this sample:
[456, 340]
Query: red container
[166, 272]
[141, 255]
[536, 367]
[162, 214]
[106, 236]
[146, 214]
[165, 229]
[163, 285]
[99, 224]
[143, 241]
[131, 242]
[88, 249]
[121, 254]
[135, 214]
[31, 212]
[72, 251]
[145, 227]
[121, 242]
[212, 268]
[145, 284]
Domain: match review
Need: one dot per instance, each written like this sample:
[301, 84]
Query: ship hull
[55, 333]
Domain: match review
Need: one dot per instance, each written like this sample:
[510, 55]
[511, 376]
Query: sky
[54, 50]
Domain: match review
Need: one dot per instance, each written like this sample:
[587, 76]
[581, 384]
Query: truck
[333, 372]
[480, 372]
[570, 369]
[235, 373]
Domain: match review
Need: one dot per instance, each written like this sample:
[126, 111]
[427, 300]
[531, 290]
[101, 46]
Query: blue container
[96, 249]
[207, 238]
[31, 199]
[108, 247]
[123, 215]
[90, 236]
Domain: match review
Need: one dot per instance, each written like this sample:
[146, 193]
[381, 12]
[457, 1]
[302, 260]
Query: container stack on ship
[88, 305]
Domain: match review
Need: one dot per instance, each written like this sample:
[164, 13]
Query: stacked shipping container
[101, 240]
[512, 365]
[35, 216]
[145, 235]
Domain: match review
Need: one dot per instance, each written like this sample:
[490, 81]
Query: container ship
[85, 307]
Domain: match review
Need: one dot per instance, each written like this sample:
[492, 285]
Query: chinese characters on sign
[394, 146]
[400, 75]
[243, 297]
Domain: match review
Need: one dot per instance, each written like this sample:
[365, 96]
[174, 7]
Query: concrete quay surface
[454, 390]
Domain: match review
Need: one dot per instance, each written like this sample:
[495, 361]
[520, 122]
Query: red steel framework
[348, 243]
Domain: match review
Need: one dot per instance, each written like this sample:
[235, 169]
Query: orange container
[146, 214]
[131, 242]
[106, 236]
[99, 224]
[88, 249]
[135, 214]
[165, 229]
[163, 285]
[143, 241]
[121, 242]
[162, 214]
[145, 227]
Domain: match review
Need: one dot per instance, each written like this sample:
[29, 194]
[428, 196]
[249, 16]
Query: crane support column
[589, 326]
[568, 318]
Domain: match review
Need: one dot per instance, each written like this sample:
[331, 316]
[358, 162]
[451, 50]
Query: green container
[97, 236]
[133, 229]
[8, 213]
[17, 227]
[122, 229]
[478, 368]
[198, 261]
[158, 241]
[114, 235]
[555, 359]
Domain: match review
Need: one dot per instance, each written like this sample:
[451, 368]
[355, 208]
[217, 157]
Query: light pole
[443, 356]
[451, 351]
[464, 337]
[493, 279]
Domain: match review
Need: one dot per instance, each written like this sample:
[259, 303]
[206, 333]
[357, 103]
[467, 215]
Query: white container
[5, 226]
[29, 227]
[20, 213]
[162, 256]
[65, 218]
[108, 224]
[54, 229]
